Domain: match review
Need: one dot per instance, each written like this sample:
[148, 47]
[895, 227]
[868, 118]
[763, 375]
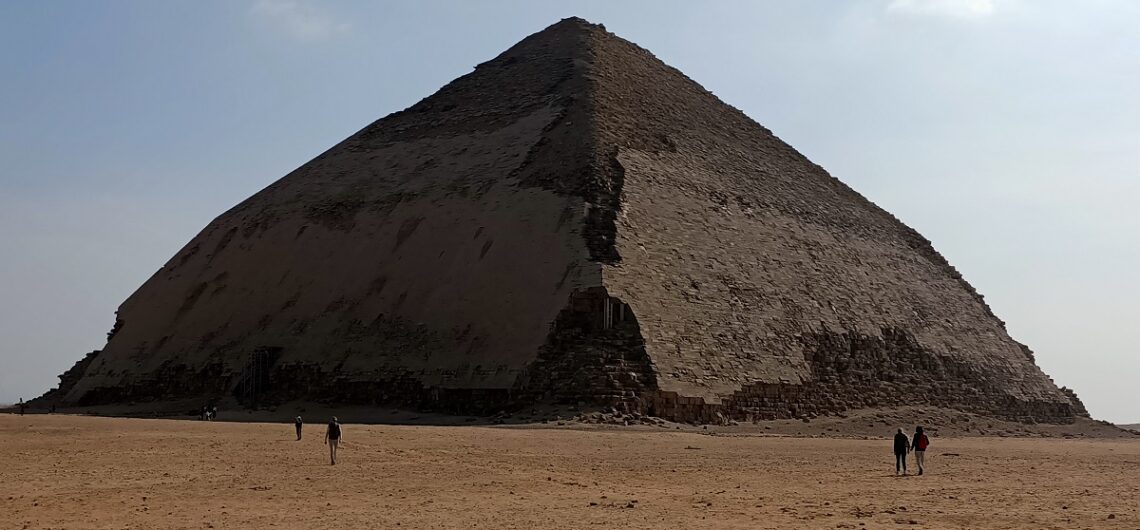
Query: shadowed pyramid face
[572, 221]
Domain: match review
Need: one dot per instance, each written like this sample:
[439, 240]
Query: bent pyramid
[573, 221]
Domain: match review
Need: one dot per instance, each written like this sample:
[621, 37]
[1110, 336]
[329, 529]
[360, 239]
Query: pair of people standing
[332, 435]
[903, 446]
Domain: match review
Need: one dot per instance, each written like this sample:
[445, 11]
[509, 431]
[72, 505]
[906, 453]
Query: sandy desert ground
[63, 471]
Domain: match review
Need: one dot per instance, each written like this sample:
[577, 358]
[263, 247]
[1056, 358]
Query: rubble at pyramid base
[593, 365]
[754, 402]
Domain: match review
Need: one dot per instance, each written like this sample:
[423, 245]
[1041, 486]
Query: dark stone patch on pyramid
[574, 221]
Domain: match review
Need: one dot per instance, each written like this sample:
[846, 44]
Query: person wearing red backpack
[921, 442]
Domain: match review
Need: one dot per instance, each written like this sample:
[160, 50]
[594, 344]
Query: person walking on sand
[22, 406]
[298, 423]
[920, 443]
[332, 438]
[902, 447]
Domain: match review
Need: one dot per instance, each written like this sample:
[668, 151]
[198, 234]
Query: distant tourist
[332, 438]
[298, 423]
[921, 442]
[214, 412]
[902, 447]
[22, 406]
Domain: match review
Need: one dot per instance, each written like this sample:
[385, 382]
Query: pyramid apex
[576, 20]
[576, 23]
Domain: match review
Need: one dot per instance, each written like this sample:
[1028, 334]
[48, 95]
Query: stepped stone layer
[572, 221]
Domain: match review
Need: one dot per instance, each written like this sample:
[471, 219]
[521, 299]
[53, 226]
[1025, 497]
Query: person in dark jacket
[332, 438]
[298, 424]
[920, 443]
[902, 447]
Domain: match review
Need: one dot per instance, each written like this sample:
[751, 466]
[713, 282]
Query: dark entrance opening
[254, 382]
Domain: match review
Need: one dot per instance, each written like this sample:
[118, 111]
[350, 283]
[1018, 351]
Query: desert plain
[72, 471]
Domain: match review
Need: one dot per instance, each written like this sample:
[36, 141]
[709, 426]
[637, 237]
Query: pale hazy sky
[1005, 131]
